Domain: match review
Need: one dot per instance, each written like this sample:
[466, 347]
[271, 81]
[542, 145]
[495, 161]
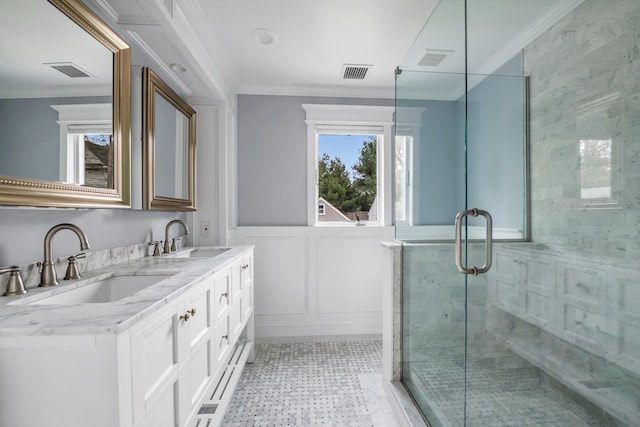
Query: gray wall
[496, 144]
[439, 195]
[22, 230]
[495, 149]
[272, 157]
[30, 136]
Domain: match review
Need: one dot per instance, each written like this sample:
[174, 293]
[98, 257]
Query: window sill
[348, 224]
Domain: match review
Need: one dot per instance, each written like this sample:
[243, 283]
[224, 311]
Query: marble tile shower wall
[434, 298]
[567, 303]
[585, 85]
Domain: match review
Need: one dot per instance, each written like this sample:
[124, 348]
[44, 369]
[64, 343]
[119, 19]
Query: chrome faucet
[48, 275]
[167, 247]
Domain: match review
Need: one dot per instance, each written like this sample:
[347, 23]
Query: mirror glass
[57, 127]
[171, 150]
[169, 147]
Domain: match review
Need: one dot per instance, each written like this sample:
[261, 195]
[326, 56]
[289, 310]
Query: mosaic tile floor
[505, 392]
[309, 384]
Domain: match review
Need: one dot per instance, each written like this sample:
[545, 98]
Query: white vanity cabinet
[170, 356]
[158, 372]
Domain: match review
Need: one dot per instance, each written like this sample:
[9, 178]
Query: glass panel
[430, 126]
[430, 190]
[434, 332]
[496, 151]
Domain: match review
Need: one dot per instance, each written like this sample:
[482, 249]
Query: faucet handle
[173, 243]
[156, 247]
[15, 286]
[72, 268]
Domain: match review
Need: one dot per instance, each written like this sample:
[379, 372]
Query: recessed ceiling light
[262, 35]
[178, 68]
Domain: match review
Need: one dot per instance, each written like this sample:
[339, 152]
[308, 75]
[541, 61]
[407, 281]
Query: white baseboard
[293, 330]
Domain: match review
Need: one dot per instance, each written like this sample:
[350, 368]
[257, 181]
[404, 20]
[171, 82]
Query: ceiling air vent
[70, 69]
[433, 57]
[355, 72]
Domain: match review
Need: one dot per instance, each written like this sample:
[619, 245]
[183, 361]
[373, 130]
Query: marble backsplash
[30, 272]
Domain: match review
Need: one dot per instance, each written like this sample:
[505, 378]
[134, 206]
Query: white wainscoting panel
[285, 260]
[316, 280]
[349, 275]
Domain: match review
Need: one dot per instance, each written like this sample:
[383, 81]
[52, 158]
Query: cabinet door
[247, 285]
[196, 372]
[155, 349]
[222, 293]
[163, 410]
[221, 341]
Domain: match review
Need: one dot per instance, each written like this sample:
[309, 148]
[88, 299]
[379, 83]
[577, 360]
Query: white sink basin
[109, 289]
[201, 252]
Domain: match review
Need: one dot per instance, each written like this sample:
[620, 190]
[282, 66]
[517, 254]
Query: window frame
[355, 119]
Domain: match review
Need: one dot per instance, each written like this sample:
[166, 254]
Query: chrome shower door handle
[488, 242]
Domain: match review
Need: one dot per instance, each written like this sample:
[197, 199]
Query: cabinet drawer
[222, 293]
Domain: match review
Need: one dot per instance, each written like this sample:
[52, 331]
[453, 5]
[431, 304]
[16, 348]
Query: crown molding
[524, 38]
[319, 91]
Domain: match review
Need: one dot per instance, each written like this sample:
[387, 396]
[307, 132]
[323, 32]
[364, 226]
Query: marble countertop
[20, 318]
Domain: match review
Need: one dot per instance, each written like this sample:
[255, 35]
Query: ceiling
[26, 54]
[312, 41]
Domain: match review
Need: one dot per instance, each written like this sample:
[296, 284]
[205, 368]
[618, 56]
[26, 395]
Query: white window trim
[349, 116]
[410, 124]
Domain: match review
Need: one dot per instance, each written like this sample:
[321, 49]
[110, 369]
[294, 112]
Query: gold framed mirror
[168, 147]
[64, 108]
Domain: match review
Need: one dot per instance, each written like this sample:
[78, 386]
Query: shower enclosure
[517, 169]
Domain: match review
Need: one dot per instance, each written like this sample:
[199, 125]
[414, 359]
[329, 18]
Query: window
[90, 156]
[347, 176]
[86, 144]
[402, 207]
[348, 153]
[320, 208]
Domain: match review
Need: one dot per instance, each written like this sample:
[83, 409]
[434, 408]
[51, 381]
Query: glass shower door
[549, 335]
[445, 314]
[461, 146]
[431, 161]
